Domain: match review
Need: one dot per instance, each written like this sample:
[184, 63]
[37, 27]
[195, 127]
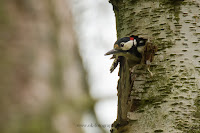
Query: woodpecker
[131, 48]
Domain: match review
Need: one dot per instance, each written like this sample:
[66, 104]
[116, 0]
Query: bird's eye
[122, 44]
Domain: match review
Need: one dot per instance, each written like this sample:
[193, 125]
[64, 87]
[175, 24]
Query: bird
[131, 48]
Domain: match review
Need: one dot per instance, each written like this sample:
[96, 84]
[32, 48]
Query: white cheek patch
[127, 45]
[135, 42]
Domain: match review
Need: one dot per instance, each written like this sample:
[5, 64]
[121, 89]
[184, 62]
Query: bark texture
[168, 102]
[43, 85]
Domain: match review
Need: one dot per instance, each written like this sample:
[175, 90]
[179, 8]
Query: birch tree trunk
[168, 102]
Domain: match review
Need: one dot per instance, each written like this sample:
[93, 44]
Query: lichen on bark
[168, 101]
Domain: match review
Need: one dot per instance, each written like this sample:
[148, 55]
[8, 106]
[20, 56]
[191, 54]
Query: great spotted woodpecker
[131, 48]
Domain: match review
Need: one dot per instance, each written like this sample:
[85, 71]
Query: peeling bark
[170, 100]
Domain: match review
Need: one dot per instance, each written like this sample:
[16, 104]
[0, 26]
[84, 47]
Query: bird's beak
[113, 51]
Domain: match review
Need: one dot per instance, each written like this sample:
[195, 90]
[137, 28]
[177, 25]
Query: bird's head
[127, 46]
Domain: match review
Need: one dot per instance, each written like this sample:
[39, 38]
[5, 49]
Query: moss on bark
[167, 101]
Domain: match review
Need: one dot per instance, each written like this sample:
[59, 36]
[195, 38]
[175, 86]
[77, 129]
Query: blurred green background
[54, 77]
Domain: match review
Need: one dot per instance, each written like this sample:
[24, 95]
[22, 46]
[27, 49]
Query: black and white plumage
[131, 48]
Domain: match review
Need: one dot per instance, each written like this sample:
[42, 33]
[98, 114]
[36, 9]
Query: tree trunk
[43, 82]
[170, 100]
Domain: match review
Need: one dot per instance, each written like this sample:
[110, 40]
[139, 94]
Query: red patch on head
[131, 38]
